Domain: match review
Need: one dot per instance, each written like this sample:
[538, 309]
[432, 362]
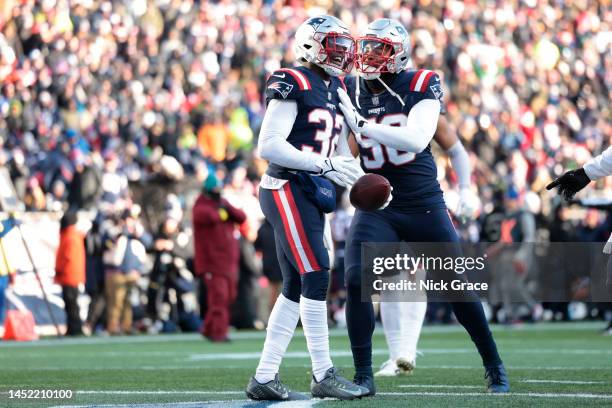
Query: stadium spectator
[85, 187]
[170, 250]
[70, 270]
[266, 246]
[94, 282]
[125, 260]
[213, 138]
[216, 255]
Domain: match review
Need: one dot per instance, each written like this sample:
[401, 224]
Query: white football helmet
[385, 47]
[326, 42]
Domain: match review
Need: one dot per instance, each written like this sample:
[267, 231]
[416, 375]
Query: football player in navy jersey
[299, 135]
[403, 321]
[393, 113]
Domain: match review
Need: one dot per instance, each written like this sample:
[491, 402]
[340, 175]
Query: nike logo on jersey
[279, 75]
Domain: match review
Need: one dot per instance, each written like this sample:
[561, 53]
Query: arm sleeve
[461, 164]
[273, 145]
[415, 135]
[600, 166]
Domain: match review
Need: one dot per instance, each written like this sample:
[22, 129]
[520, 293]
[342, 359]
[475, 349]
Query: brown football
[370, 192]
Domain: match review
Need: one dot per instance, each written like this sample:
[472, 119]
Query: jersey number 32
[328, 136]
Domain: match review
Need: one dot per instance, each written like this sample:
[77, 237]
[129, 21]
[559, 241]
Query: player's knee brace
[292, 287]
[314, 284]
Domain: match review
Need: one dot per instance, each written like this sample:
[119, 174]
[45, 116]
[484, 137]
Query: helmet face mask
[376, 56]
[337, 53]
[385, 48]
[325, 41]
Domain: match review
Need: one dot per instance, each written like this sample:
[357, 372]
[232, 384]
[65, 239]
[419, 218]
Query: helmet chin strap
[387, 87]
[357, 93]
[391, 91]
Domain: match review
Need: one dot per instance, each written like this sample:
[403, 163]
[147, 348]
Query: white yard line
[248, 335]
[511, 367]
[158, 392]
[302, 354]
[414, 393]
[435, 393]
[241, 366]
[160, 405]
[511, 394]
[441, 386]
[381, 352]
[561, 382]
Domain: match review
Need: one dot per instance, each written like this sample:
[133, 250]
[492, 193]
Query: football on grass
[370, 192]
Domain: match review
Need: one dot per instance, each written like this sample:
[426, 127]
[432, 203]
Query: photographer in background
[170, 280]
[216, 255]
[124, 260]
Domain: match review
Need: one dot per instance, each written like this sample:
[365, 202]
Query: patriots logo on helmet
[437, 91]
[282, 88]
[316, 22]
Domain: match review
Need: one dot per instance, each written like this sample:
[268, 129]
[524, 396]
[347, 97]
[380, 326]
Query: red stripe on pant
[312, 259]
[283, 214]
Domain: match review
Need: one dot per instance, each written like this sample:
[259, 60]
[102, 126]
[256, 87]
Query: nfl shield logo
[329, 96]
[375, 100]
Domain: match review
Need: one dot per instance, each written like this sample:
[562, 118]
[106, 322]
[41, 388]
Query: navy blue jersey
[319, 122]
[413, 176]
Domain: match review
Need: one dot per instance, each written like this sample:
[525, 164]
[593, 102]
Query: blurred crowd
[101, 100]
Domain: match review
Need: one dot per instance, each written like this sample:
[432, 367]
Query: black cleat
[335, 386]
[497, 379]
[367, 382]
[273, 390]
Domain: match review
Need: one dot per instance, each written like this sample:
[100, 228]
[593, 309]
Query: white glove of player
[466, 208]
[355, 121]
[608, 247]
[386, 204]
[342, 170]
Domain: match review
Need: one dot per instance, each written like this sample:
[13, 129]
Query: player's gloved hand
[466, 208]
[342, 170]
[608, 247]
[570, 183]
[386, 204]
[354, 120]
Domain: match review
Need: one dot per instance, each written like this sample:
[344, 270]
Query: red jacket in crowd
[70, 258]
[216, 247]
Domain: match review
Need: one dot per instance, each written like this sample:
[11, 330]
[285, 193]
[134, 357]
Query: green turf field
[549, 365]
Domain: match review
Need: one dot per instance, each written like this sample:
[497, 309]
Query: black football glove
[570, 183]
